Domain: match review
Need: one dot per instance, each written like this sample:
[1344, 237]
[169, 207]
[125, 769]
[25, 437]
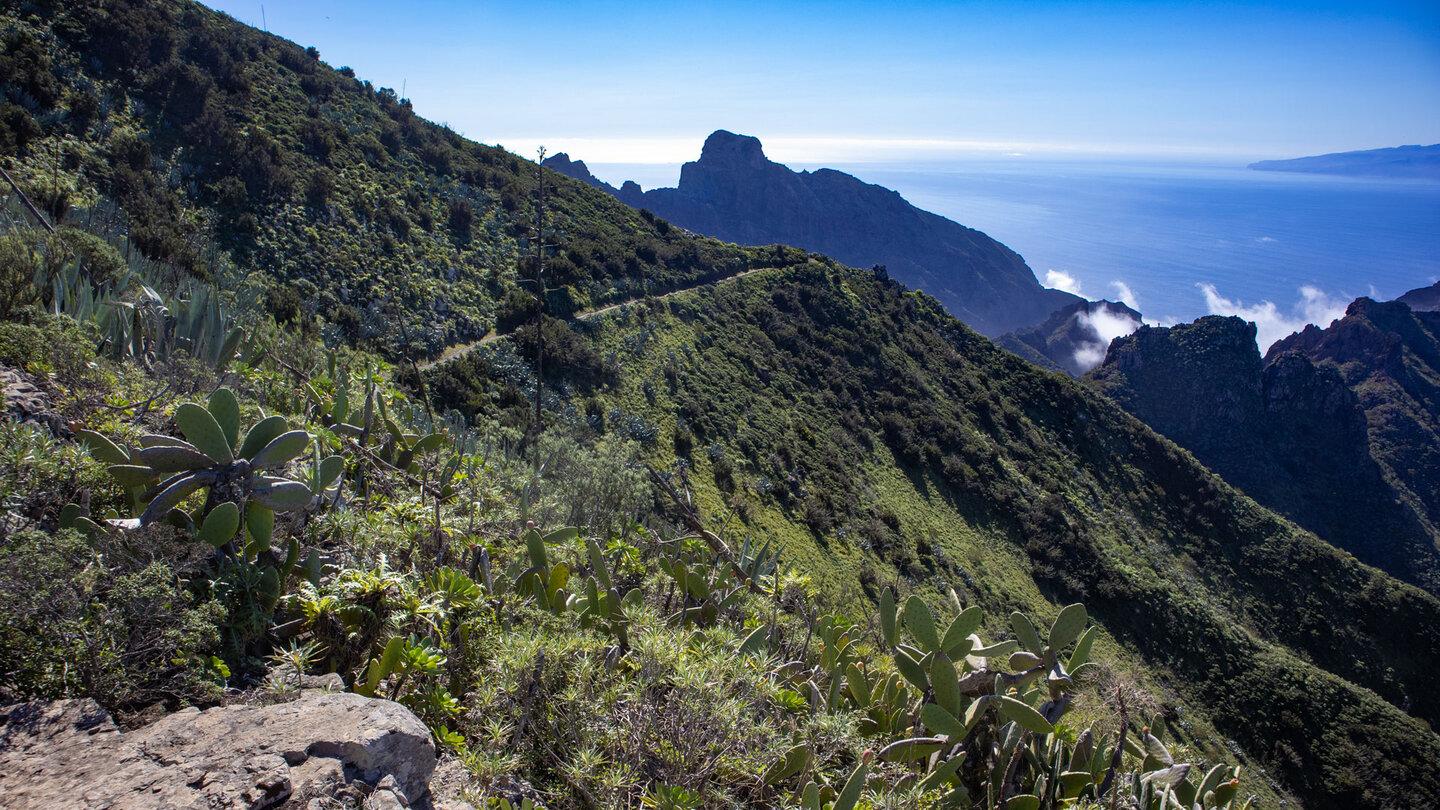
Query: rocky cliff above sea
[733, 192]
[1335, 428]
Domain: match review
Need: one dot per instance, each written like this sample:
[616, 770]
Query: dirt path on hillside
[491, 336]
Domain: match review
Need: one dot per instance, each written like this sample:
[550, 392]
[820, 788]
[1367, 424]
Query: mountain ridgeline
[201, 140]
[1290, 431]
[857, 425]
[881, 439]
[733, 192]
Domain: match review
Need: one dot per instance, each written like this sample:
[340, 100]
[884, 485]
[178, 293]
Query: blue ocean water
[1162, 230]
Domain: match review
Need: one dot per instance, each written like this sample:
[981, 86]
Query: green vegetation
[588, 664]
[882, 441]
[841, 471]
[1291, 433]
[390, 229]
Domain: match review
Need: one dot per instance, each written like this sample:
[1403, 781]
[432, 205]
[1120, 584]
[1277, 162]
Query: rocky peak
[726, 149]
[576, 169]
[1198, 383]
[1293, 432]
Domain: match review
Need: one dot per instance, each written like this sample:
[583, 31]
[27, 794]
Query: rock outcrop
[24, 402]
[1388, 353]
[1300, 431]
[577, 169]
[733, 192]
[70, 754]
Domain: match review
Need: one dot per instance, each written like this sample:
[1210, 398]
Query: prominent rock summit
[733, 192]
[1333, 428]
[70, 754]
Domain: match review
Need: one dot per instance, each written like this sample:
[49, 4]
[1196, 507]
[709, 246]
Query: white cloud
[1271, 324]
[1125, 294]
[1063, 281]
[1106, 325]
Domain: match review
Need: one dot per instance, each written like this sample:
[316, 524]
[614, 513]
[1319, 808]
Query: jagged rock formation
[1389, 355]
[70, 754]
[1292, 431]
[1073, 339]
[733, 192]
[577, 169]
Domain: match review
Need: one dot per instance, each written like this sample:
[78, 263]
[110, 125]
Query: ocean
[1179, 241]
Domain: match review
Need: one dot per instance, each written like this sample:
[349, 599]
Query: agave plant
[239, 474]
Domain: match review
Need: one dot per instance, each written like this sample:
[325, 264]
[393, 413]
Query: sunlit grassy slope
[881, 441]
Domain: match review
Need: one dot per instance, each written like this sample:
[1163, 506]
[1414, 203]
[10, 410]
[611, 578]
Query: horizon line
[812, 149]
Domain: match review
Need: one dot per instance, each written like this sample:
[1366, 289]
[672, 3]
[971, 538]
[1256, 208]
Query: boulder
[70, 754]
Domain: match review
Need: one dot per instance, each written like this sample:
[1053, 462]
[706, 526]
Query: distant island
[1422, 162]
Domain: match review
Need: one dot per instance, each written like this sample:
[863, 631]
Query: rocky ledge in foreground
[70, 754]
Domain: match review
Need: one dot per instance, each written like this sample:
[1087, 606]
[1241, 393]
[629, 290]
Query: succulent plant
[238, 474]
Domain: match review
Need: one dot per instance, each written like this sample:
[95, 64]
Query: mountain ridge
[734, 192]
[1288, 429]
[829, 410]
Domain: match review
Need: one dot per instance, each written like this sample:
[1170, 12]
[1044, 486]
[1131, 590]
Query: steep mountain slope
[191, 134]
[1298, 433]
[831, 408]
[1422, 299]
[1389, 355]
[733, 192]
[883, 440]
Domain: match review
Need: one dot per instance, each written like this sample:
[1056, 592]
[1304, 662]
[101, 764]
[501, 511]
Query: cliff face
[1389, 355]
[733, 192]
[1295, 431]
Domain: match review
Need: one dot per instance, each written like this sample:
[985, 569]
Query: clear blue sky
[642, 81]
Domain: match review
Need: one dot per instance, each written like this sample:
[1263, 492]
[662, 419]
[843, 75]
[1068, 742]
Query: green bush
[20, 263]
[77, 621]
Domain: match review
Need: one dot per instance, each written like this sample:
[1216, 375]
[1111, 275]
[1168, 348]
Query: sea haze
[1163, 230]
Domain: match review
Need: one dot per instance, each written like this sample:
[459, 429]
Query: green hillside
[212, 135]
[886, 442]
[235, 216]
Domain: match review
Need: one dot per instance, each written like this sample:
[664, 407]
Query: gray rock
[24, 402]
[70, 754]
[329, 682]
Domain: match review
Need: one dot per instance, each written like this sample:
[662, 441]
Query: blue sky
[631, 82]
